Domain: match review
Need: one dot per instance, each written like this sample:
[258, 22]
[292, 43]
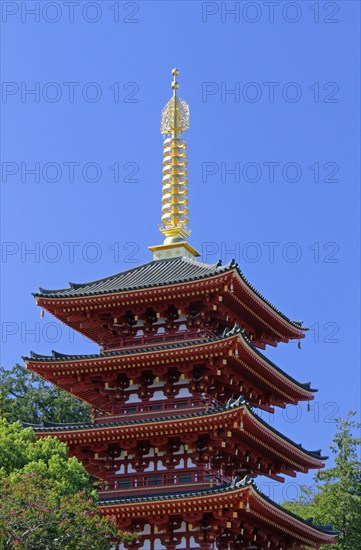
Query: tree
[34, 515]
[27, 397]
[336, 498]
[46, 499]
[21, 452]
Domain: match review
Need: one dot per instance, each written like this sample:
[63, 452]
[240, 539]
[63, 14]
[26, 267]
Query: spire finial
[175, 120]
[175, 84]
[175, 115]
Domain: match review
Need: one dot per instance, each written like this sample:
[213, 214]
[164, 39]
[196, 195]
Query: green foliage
[21, 452]
[27, 397]
[336, 498]
[34, 515]
[303, 506]
[46, 500]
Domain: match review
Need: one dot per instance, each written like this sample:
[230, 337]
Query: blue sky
[273, 165]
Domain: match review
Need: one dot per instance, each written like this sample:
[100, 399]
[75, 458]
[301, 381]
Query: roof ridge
[296, 324]
[80, 285]
[245, 482]
[75, 286]
[305, 385]
[315, 454]
[129, 351]
[236, 404]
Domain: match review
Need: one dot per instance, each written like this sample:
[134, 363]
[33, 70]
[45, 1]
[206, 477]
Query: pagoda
[176, 442]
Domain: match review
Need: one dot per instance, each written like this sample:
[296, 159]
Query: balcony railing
[154, 409]
[160, 481]
[160, 338]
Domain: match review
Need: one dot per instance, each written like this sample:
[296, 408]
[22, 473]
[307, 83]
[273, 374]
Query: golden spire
[175, 120]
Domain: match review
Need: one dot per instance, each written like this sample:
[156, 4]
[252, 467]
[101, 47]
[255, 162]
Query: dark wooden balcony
[154, 409]
[162, 481]
[160, 338]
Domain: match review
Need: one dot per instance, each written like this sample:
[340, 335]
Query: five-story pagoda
[175, 441]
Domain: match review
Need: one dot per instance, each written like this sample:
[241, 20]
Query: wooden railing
[157, 481]
[160, 338]
[163, 407]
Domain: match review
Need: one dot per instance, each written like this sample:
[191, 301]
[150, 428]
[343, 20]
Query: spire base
[173, 250]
